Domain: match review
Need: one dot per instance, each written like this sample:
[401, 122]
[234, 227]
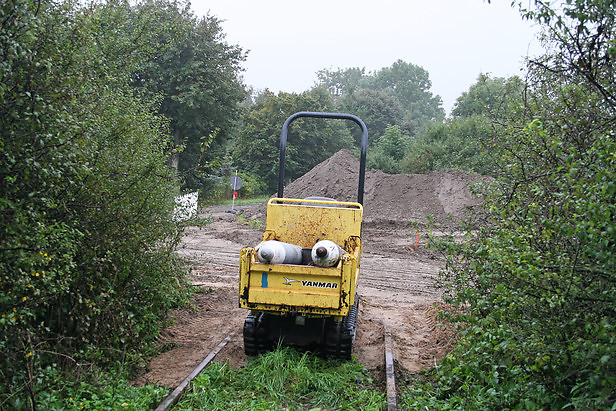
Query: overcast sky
[454, 40]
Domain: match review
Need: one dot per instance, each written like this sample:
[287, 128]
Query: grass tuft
[285, 379]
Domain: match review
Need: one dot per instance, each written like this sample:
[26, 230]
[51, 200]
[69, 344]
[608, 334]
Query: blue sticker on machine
[264, 280]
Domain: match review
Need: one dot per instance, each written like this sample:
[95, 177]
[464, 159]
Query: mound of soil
[403, 198]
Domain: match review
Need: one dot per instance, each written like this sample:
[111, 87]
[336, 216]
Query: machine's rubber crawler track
[255, 334]
[338, 337]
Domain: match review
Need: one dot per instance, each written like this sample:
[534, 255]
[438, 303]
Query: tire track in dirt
[400, 275]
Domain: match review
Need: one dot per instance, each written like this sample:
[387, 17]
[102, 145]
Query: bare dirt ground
[397, 285]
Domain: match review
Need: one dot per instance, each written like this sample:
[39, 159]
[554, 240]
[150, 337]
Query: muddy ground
[397, 286]
[397, 290]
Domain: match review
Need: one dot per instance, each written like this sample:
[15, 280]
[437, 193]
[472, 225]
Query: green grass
[285, 379]
[281, 379]
[253, 223]
[239, 201]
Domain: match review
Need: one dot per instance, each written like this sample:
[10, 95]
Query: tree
[310, 141]
[410, 105]
[197, 79]
[87, 269]
[376, 108]
[396, 96]
[582, 41]
[465, 143]
[342, 82]
[389, 151]
[410, 85]
[496, 98]
[536, 284]
[467, 140]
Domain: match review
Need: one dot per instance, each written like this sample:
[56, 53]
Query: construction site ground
[398, 282]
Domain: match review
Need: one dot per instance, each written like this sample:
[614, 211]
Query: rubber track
[255, 334]
[339, 336]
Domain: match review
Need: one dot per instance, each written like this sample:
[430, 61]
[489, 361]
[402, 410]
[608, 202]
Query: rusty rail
[177, 393]
[392, 401]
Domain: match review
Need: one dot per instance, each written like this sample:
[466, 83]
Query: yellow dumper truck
[300, 281]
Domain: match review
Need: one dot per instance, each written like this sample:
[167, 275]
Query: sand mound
[400, 198]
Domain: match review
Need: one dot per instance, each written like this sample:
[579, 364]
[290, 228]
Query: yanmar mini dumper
[300, 281]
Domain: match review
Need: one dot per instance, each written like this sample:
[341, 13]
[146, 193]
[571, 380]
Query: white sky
[454, 40]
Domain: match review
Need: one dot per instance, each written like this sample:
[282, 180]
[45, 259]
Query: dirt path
[397, 289]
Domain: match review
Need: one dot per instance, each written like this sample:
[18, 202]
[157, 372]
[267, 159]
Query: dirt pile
[403, 198]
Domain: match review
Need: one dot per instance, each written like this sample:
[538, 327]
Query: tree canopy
[341, 82]
[310, 141]
[396, 95]
[387, 153]
[196, 77]
[410, 84]
[467, 139]
[463, 143]
[496, 98]
[376, 108]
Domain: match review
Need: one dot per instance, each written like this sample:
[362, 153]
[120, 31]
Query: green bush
[465, 143]
[87, 269]
[102, 391]
[537, 282]
[389, 151]
[252, 186]
[538, 289]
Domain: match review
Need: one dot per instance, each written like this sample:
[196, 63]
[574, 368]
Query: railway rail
[179, 390]
[392, 404]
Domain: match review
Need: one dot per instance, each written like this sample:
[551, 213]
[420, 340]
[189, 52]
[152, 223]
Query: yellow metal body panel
[305, 289]
[304, 222]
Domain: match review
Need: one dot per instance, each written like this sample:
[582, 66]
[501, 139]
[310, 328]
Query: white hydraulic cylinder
[277, 252]
[326, 253]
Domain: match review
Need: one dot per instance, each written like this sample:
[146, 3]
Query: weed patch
[285, 379]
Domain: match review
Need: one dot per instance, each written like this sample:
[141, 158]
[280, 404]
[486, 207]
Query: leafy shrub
[466, 143]
[103, 391]
[87, 269]
[389, 150]
[538, 290]
[252, 186]
[538, 281]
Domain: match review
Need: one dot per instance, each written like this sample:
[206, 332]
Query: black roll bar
[337, 116]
